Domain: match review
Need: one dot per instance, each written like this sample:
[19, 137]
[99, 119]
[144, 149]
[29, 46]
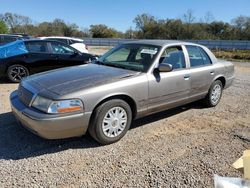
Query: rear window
[65, 41]
[7, 39]
[75, 41]
[13, 49]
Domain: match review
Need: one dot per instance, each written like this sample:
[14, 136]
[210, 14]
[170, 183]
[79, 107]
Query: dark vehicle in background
[7, 38]
[22, 58]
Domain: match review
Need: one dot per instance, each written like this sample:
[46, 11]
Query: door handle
[186, 77]
[55, 56]
[212, 72]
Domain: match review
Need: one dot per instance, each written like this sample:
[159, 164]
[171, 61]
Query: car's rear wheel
[110, 121]
[16, 73]
[214, 95]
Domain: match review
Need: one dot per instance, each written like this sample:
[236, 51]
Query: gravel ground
[183, 147]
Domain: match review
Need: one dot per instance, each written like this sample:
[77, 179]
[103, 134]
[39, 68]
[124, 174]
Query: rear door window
[37, 47]
[205, 57]
[197, 56]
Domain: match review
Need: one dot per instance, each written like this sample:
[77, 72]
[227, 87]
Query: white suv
[74, 42]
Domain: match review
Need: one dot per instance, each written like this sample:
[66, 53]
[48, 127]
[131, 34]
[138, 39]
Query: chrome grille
[25, 95]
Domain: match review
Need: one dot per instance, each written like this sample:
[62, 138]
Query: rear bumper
[2, 69]
[48, 126]
[229, 82]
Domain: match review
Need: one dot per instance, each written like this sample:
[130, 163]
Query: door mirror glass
[165, 67]
[75, 53]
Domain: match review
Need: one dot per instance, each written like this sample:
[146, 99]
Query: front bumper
[46, 125]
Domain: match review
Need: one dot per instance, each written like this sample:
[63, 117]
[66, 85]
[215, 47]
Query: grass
[235, 55]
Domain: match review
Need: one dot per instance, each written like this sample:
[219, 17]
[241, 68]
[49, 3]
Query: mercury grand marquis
[132, 80]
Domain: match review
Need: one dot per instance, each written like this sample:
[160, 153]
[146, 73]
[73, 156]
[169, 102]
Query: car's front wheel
[214, 94]
[16, 73]
[110, 121]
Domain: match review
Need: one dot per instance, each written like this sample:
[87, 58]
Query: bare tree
[209, 17]
[14, 21]
[188, 17]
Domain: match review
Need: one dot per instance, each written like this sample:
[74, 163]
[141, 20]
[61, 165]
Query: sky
[119, 14]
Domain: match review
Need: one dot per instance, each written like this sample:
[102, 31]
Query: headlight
[41, 103]
[55, 107]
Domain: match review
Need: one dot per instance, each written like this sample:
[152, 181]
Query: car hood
[68, 80]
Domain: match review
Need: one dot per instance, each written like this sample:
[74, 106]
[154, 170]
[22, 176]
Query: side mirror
[75, 53]
[165, 67]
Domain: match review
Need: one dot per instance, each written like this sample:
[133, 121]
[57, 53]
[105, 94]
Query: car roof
[160, 42]
[40, 40]
[60, 37]
[11, 35]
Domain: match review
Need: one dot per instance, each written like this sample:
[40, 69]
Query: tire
[118, 117]
[214, 94]
[16, 73]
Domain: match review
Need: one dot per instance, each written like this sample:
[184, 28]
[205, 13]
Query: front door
[66, 55]
[169, 89]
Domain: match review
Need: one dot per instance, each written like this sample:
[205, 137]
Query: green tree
[146, 25]
[103, 31]
[3, 27]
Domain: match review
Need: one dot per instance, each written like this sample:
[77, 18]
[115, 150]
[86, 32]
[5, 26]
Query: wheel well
[126, 98]
[223, 81]
[19, 63]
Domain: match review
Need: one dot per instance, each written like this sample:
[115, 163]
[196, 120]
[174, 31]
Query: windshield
[137, 57]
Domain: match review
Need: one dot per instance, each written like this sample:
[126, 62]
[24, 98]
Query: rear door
[201, 71]
[169, 89]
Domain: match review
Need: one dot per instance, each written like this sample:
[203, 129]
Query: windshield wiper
[115, 65]
[99, 62]
[109, 64]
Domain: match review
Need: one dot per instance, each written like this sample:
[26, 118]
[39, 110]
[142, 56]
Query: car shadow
[18, 143]
[165, 114]
[4, 80]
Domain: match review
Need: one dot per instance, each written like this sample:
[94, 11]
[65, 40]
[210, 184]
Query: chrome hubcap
[216, 93]
[18, 73]
[114, 122]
